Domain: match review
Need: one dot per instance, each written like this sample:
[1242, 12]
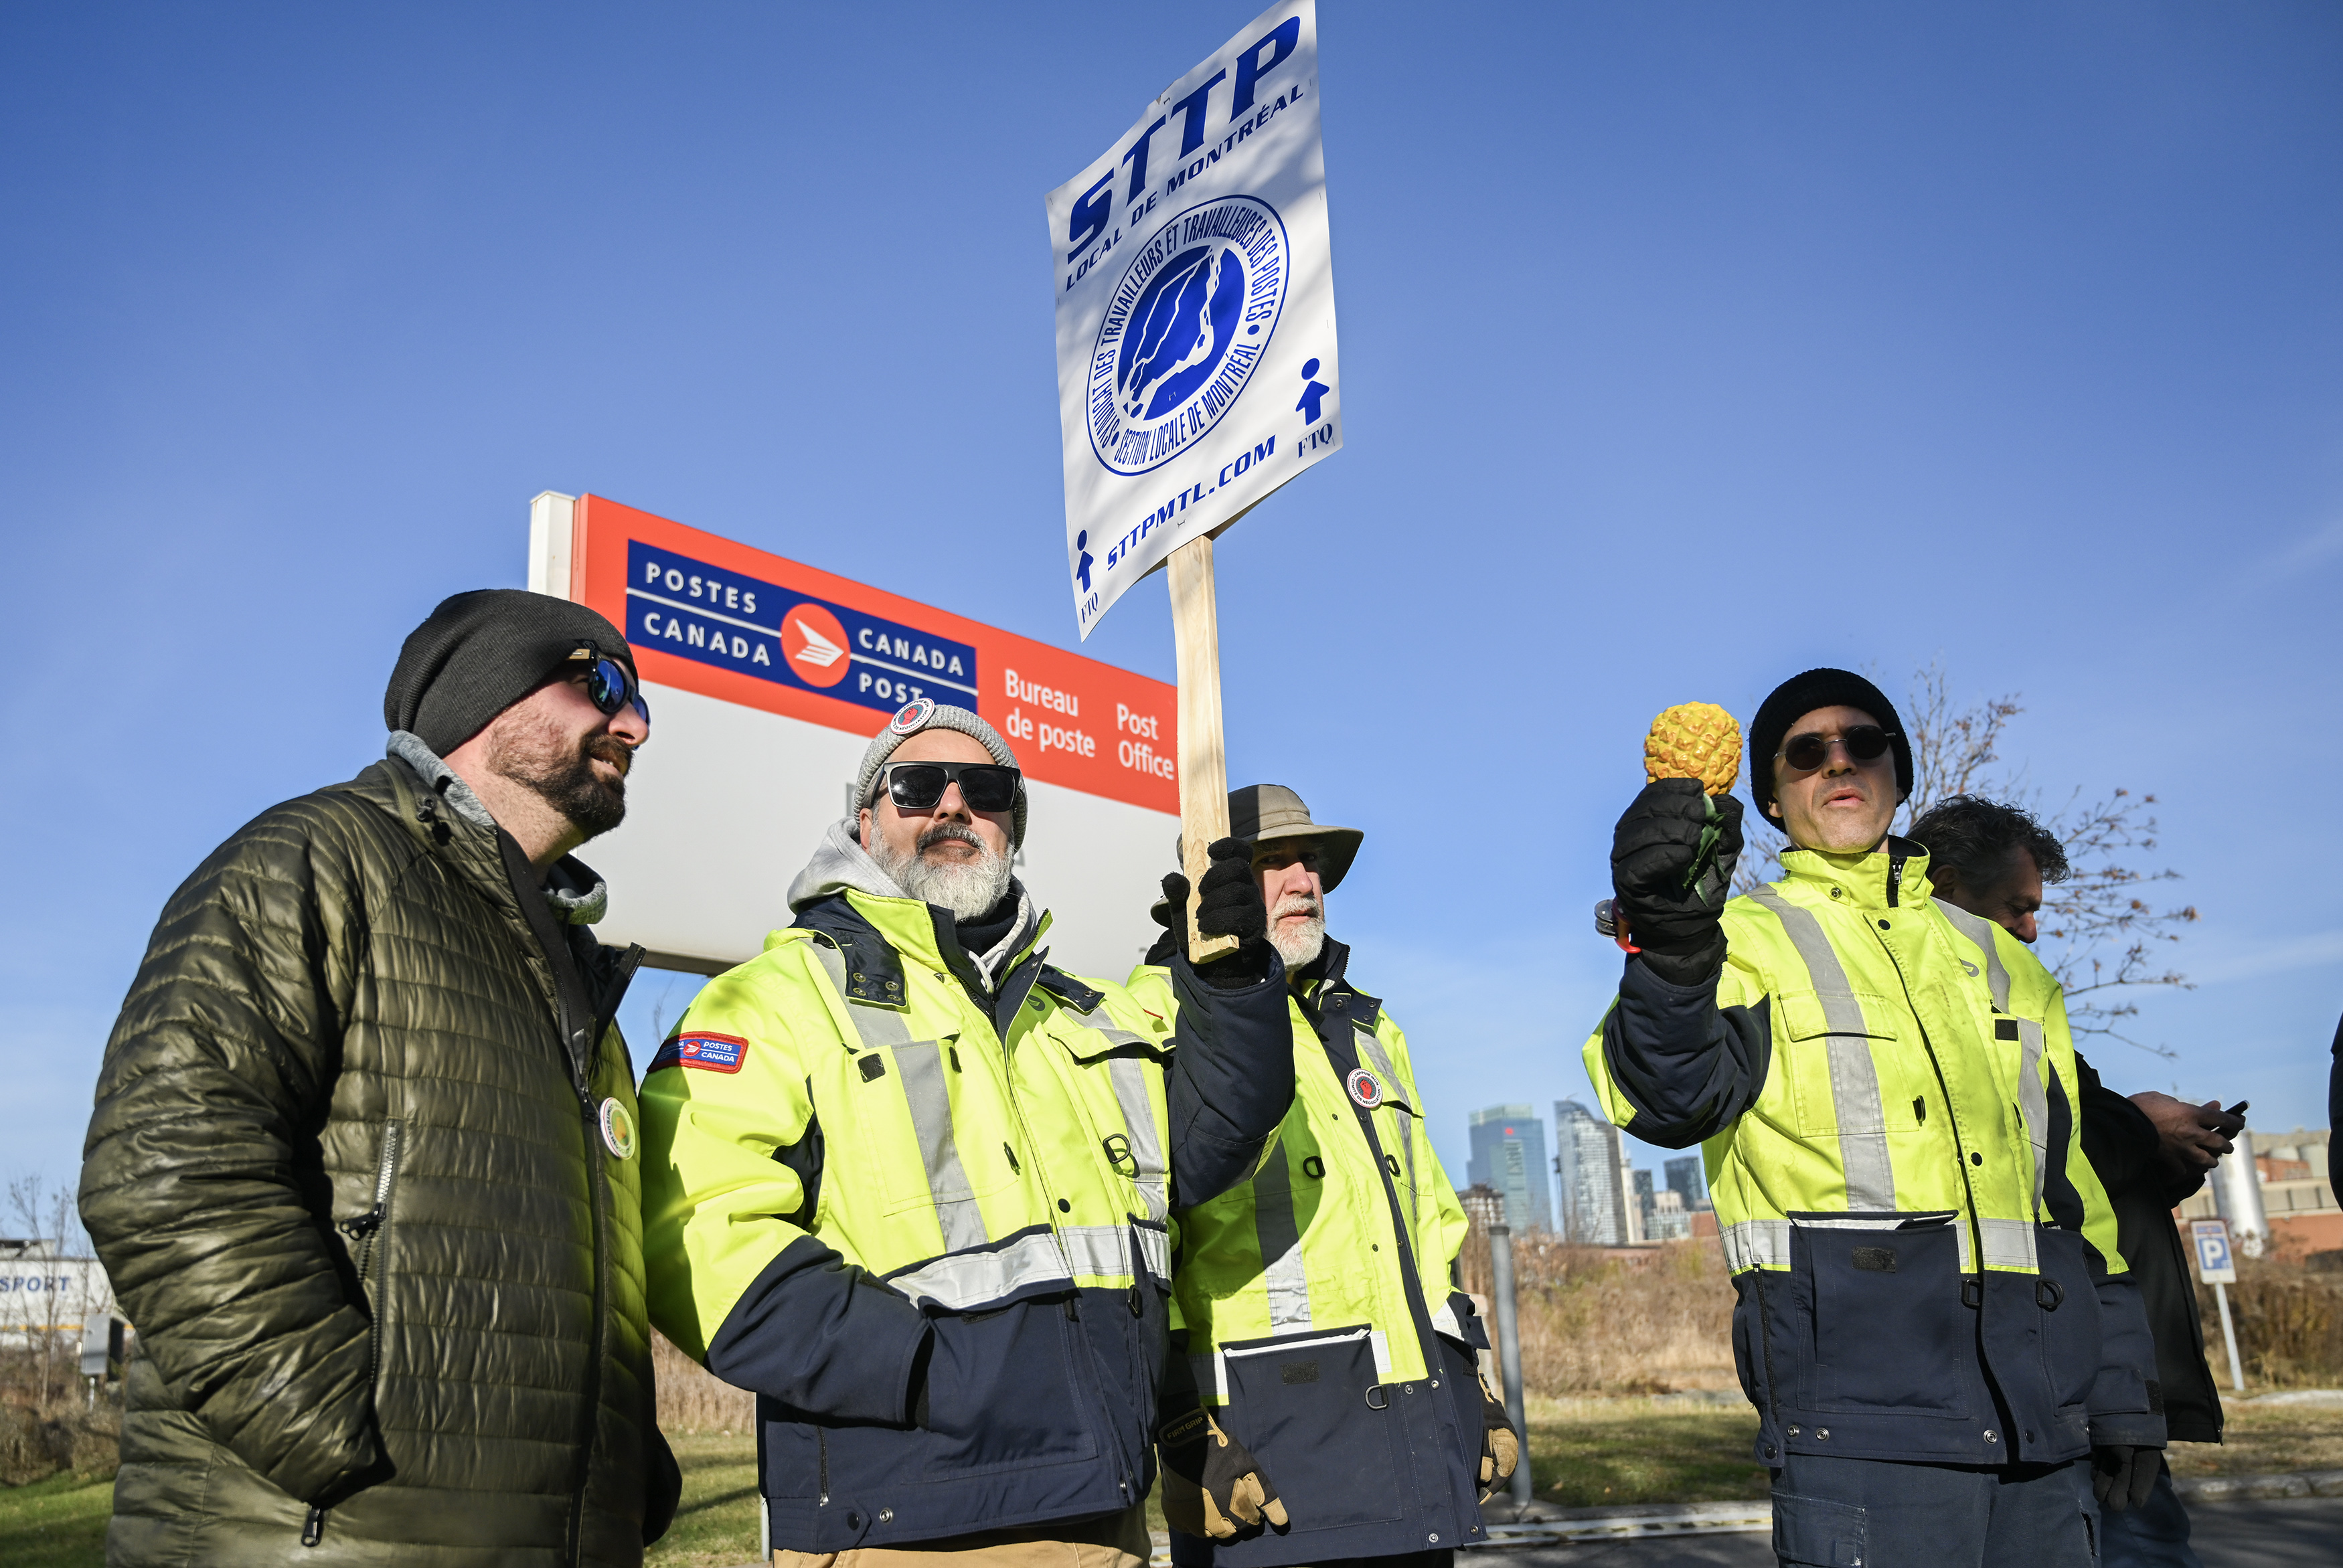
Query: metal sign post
[1509, 1351]
[2217, 1267]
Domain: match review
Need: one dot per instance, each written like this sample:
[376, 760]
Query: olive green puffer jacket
[349, 1175]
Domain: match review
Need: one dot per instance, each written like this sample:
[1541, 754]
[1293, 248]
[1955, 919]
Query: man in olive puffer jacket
[362, 1166]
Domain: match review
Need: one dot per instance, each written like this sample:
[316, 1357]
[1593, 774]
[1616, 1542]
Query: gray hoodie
[840, 862]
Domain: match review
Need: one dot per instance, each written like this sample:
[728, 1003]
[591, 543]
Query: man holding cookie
[1948, 1356]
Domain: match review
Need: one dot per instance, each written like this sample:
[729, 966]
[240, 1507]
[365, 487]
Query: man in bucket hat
[910, 1183]
[1332, 1408]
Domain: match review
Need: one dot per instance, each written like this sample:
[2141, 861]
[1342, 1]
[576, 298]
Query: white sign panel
[2214, 1263]
[1196, 362]
[52, 1296]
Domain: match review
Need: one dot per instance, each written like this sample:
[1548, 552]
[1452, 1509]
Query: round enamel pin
[914, 714]
[1365, 1092]
[618, 1129]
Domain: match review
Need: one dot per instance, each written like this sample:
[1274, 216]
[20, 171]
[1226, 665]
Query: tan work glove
[1500, 1446]
[1211, 1486]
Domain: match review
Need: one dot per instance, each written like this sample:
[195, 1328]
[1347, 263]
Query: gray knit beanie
[925, 714]
[480, 652]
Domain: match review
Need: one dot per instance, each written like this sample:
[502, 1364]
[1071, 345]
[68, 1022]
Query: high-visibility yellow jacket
[923, 1215]
[1317, 1304]
[1884, 1087]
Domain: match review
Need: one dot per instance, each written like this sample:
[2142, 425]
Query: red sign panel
[726, 621]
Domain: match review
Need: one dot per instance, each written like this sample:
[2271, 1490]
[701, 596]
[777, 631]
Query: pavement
[2233, 1528]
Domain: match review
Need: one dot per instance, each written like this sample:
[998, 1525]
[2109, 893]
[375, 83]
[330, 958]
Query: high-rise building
[1685, 1180]
[1509, 1154]
[1587, 1160]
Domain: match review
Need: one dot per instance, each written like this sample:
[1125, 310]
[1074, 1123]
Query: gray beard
[1300, 945]
[969, 888]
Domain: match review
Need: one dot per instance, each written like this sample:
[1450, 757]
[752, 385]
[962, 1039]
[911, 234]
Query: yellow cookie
[1694, 740]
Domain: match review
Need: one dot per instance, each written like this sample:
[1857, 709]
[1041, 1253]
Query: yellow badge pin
[618, 1129]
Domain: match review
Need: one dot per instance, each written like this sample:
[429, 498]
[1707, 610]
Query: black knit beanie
[1801, 695]
[479, 653]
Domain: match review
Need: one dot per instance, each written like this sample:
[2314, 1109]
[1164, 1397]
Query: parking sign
[2215, 1266]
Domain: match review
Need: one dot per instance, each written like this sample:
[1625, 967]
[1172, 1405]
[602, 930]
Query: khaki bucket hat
[1271, 813]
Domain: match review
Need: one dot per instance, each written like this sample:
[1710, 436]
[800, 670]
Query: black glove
[1212, 1487]
[1501, 1446]
[1672, 859]
[1229, 905]
[2122, 1475]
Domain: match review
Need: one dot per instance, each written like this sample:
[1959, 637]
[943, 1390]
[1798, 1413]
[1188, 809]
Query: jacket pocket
[2068, 1301]
[369, 1236]
[1005, 1390]
[1313, 1411]
[1838, 1045]
[1817, 1533]
[369, 1239]
[1890, 1330]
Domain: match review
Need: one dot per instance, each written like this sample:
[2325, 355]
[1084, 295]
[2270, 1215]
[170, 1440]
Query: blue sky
[1687, 346]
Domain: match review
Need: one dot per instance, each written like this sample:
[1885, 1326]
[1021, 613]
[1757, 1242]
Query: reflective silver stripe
[1757, 1244]
[1872, 1221]
[921, 1066]
[1129, 1076]
[1854, 1078]
[967, 1282]
[1401, 1107]
[2032, 1092]
[1097, 1019]
[1281, 1243]
[1206, 1371]
[1105, 1249]
[2008, 1244]
[922, 1070]
[1443, 1322]
[2033, 1101]
[1979, 931]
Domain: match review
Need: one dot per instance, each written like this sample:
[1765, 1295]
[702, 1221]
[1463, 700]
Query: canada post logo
[1183, 330]
[712, 616]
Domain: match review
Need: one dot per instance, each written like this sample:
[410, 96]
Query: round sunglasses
[1863, 743]
[920, 786]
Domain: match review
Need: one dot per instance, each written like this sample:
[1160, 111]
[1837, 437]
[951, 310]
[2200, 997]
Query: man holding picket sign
[1197, 372]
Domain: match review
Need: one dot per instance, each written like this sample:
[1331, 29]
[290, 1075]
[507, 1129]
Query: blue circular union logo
[1183, 330]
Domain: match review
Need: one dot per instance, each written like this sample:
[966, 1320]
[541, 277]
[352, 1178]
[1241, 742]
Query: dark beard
[570, 785]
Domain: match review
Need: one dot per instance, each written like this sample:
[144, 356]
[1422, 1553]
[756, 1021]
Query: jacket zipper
[1124, 1480]
[366, 1230]
[597, 1179]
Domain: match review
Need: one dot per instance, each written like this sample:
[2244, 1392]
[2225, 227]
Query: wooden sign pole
[1204, 764]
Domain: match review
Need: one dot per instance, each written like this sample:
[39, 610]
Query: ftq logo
[712, 616]
[1184, 329]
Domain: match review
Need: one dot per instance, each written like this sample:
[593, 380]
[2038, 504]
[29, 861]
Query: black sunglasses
[1863, 743]
[611, 686]
[920, 786]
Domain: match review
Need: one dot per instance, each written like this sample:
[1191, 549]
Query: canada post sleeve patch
[708, 1052]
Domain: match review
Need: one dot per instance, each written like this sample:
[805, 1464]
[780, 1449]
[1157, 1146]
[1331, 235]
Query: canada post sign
[699, 611]
[713, 616]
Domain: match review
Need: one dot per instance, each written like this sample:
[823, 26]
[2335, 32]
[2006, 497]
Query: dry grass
[693, 1399]
[1608, 1319]
[2289, 1318]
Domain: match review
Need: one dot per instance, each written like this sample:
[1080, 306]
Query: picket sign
[1196, 360]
